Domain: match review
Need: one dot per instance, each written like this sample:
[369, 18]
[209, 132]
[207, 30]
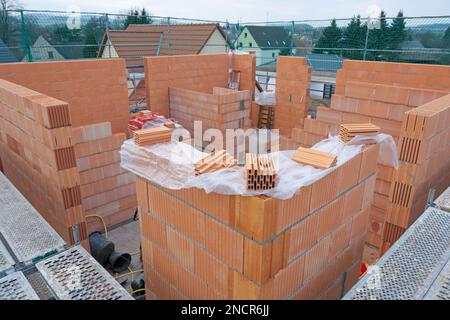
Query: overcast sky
[251, 10]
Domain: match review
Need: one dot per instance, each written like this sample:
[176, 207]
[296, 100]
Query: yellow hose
[102, 220]
[128, 273]
[136, 291]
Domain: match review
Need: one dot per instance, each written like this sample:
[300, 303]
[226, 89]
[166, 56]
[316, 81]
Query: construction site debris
[347, 131]
[152, 136]
[260, 172]
[215, 161]
[315, 158]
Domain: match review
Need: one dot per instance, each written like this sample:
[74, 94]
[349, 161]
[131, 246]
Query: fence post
[367, 40]
[292, 38]
[107, 35]
[25, 38]
[168, 36]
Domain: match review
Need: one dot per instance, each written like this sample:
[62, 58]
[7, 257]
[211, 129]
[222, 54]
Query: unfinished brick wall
[424, 154]
[292, 93]
[96, 90]
[193, 72]
[221, 108]
[210, 246]
[107, 190]
[39, 158]
[380, 93]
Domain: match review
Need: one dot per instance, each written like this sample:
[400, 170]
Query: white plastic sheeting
[171, 165]
[266, 98]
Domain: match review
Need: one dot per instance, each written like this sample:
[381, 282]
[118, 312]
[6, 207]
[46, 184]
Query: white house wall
[215, 44]
[40, 51]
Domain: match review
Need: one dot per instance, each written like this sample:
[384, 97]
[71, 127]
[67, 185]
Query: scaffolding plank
[440, 289]
[6, 261]
[26, 232]
[75, 275]
[443, 201]
[16, 287]
[409, 268]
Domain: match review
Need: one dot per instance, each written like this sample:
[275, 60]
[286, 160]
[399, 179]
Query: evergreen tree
[446, 39]
[330, 38]
[136, 16]
[353, 39]
[377, 40]
[91, 46]
[397, 32]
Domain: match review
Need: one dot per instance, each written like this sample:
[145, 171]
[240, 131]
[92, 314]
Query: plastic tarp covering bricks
[171, 165]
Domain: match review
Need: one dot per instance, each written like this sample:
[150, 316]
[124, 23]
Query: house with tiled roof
[47, 49]
[265, 41]
[140, 40]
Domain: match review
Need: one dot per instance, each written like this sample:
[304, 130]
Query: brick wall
[424, 154]
[193, 72]
[38, 155]
[292, 92]
[211, 246]
[221, 108]
[91, 87]
[380, 93]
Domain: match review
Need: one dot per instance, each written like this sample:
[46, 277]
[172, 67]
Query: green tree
[397, 32]
[93, 30]
[377, 40]
[330, 38]
[136, 16]
[446, 39]
[64, 34]
[353, 39]
[90, 46]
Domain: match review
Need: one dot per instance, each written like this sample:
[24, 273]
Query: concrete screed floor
[126, 238]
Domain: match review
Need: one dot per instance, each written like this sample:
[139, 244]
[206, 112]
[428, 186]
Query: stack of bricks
[96, 92]
[292, 93]
[211, 246]
[199, 73]
[378, 93]
[39, 158]
[223, 109]
[107, 190]
[424, 156]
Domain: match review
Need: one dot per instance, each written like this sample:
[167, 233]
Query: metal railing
[325, 43]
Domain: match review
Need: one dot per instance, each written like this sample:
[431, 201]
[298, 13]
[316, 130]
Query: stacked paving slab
[211, 246]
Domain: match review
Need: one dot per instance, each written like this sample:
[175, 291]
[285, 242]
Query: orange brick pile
[38, 156]
[424, 154]
[193, 72]
[292, 93]
[107, 189]
[223, 109]
[211, 246]
[95, 92]
[378, 93]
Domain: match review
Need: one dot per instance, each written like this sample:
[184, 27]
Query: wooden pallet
[265, 118]
[348, 131]
[215, 161]
[259, 172]
[150, 136]
[317, 159]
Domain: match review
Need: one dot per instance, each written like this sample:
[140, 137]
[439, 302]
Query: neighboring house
[141, 40]
[45, 49]
[5, 54]
[323, 63]
[266, 41]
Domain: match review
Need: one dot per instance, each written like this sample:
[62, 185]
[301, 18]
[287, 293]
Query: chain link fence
[28, 35]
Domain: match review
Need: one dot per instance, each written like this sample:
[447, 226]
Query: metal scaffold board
[28, 235]
[6, 261]
[440, 289]
[409, 268]
[16, 287]
[443, 201]
[75, 275]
